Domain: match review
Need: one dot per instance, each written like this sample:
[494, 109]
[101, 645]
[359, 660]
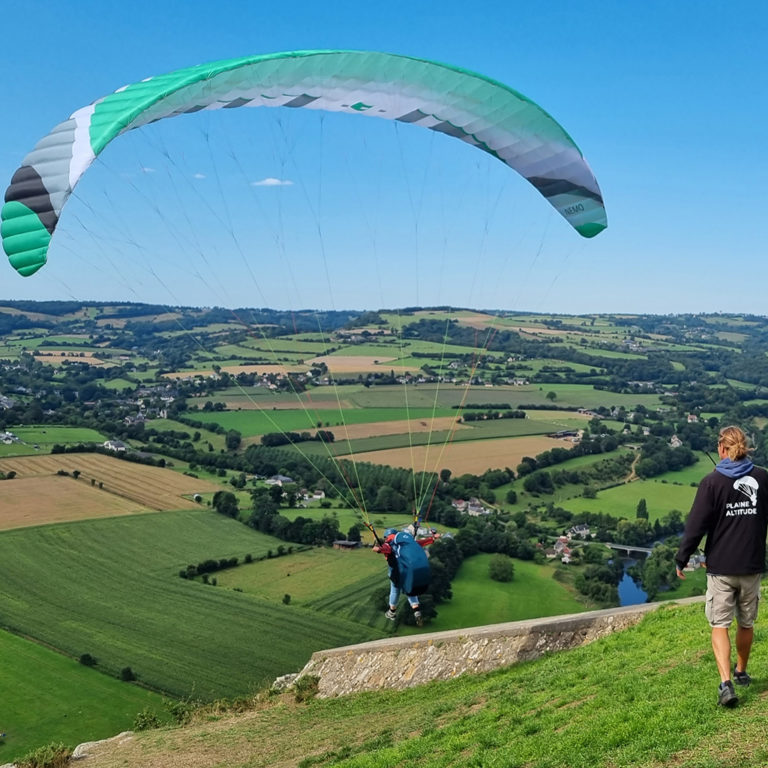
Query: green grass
[250, 423]
[307, 575]
[640, 698]
[622, 500]
[47, 697]
[478, 600]
[45, 437]
[169, 425]
[111, 588]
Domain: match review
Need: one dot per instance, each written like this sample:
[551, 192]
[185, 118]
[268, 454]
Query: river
[630, 592]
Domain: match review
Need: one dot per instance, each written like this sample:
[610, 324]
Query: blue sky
[666, 100]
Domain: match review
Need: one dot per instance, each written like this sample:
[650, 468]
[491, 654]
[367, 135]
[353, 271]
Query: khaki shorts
[732, 595]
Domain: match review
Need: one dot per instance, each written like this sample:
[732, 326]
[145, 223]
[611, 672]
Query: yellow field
[125, 487]
[235, 369]
[360, 364]
[57, 357]
[474, 457]
[54, 499]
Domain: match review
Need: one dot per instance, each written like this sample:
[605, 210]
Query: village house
[580, 531]
[475, 508]
[115, 445]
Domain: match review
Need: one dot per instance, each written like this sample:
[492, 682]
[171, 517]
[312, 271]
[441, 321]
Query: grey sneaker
[726, 696]
[418, 617]
[390, 614]
[741, 678]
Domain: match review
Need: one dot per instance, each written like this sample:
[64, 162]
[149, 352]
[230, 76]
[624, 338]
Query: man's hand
[680, 574]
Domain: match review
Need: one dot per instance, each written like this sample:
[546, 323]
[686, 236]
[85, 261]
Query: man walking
[731, 510]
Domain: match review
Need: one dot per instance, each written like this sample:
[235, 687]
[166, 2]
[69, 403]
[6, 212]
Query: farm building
[346, 545]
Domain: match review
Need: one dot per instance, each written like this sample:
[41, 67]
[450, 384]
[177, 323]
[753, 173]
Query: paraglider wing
[467, 106]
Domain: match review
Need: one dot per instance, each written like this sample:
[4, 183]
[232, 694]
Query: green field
[47, 697]
[111, 588]
[622, 500]
[250, 423]
[308, 576]
[478, 600]
[45, 437]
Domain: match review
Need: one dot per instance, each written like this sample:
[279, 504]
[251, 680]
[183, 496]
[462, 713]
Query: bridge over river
[629, 549]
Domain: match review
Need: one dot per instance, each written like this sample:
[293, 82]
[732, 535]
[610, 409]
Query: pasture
[111, 588]
[306, 576]
[478, 600]
[621, 501]
[251, 423]
[46, 436]
[152, 487]
[47, 697]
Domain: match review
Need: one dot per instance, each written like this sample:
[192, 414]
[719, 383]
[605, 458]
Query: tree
[225, 503]
[233, 440]
[276, 493]
[642, 509]
[354, 533]
[552, 396]
[501, 568]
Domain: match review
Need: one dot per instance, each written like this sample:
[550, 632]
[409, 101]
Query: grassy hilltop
[643, 698]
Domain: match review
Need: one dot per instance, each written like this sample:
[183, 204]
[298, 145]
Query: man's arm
[698, 523]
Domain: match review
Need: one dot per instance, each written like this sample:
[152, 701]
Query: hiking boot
[741, 678]
[418, 617]
[390, 614]
[726, 696]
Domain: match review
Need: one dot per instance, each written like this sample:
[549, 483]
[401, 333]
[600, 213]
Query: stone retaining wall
[401, 662]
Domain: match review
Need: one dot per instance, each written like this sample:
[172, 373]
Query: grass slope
[47, 697]
[642, 698]
[111, 588]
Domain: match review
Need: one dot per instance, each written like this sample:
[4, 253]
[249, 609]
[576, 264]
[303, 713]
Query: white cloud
[270, 182]
[144, 169]
[198, 176]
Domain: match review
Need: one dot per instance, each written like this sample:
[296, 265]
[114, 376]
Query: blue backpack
[412, 564]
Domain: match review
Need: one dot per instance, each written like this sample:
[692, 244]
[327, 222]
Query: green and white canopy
[467, 106]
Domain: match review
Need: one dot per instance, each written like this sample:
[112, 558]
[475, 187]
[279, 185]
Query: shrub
[145, 720]
[50, 756]
[305, 688]
[181, 711]
[286, 599]
[87, 660]
[127, 675]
